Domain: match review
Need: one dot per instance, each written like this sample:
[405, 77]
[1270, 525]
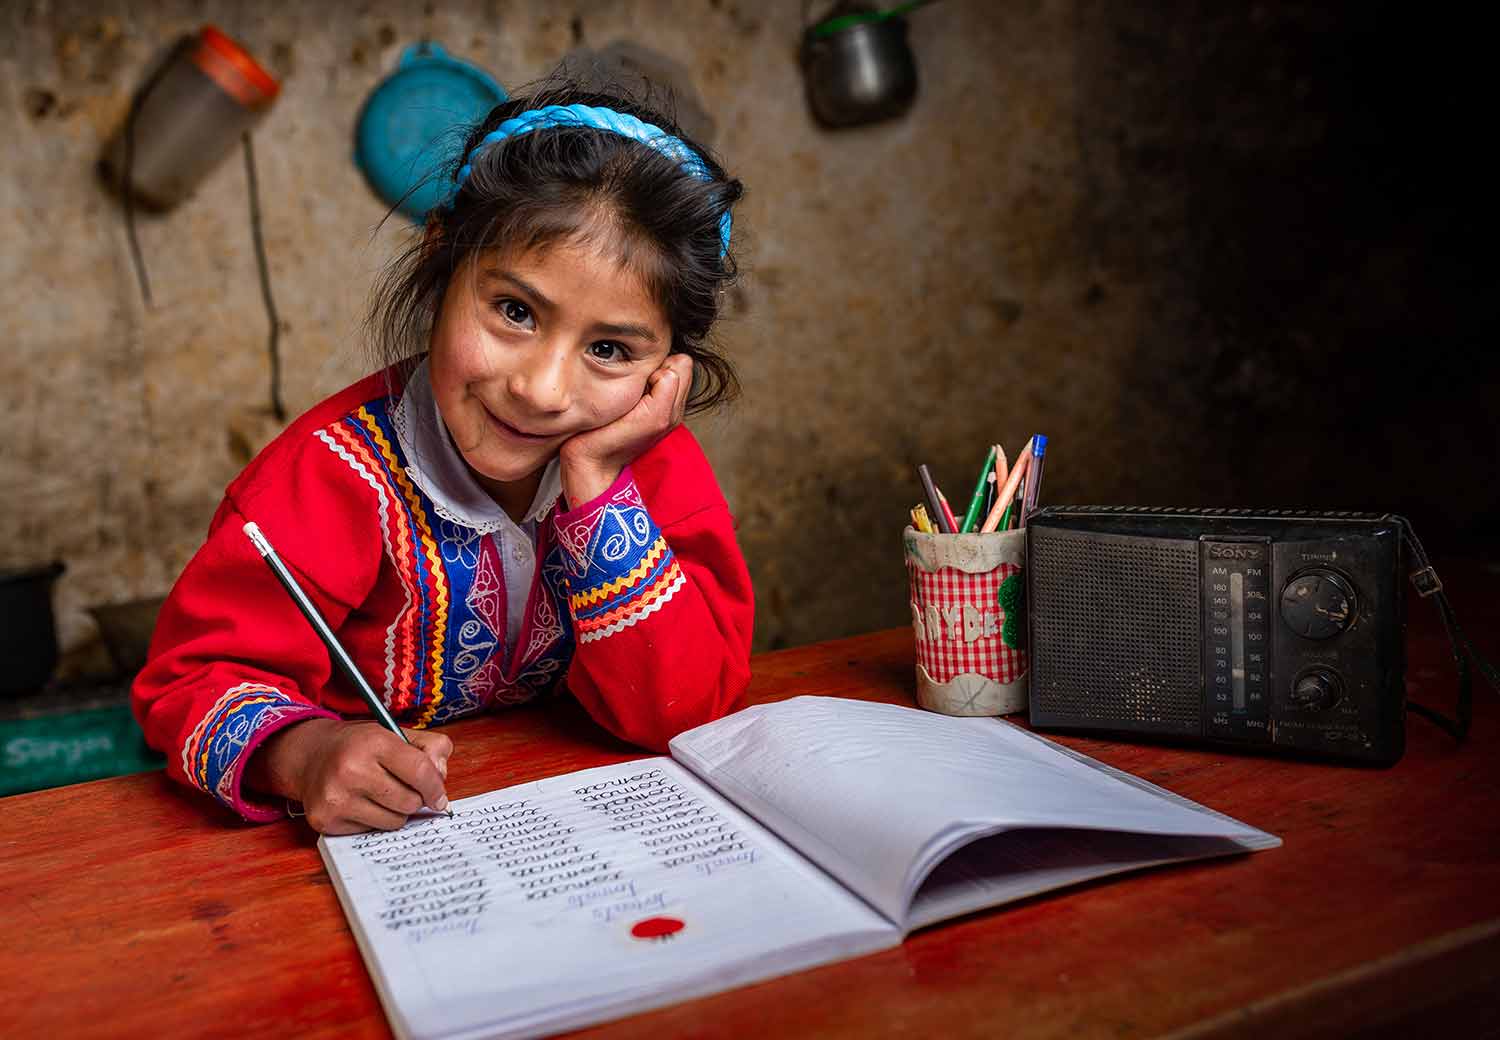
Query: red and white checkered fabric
[958, 619]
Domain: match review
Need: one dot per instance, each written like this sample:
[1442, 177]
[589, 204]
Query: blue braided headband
[599, 119]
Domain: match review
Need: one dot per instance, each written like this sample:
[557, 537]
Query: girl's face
[530, 349]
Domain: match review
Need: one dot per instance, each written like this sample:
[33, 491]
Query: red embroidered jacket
[640, 597]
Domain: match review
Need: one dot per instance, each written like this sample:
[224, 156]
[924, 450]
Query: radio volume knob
[1316, 690]
[1317, 604]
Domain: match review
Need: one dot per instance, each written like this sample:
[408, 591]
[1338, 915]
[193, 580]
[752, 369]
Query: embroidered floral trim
[623, 584]
[212, 753]
[620, 568]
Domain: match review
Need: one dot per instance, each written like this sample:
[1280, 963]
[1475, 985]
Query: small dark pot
[28, 632]
[862, 73]
[126, 629]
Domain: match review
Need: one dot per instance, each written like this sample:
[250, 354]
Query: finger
[680, 365]
[661, 385]
[391, 793]
[653, 413]
[356, 816]
[364, 814]
[684, 388]
[436, 746]
[668, 389]
[412, 780]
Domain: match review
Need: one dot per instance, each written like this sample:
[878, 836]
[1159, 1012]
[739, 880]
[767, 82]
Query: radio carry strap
[1425, 580]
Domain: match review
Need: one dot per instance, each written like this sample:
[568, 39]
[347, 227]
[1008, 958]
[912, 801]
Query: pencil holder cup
[968, 613]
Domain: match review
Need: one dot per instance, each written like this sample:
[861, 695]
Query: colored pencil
[976, 500]
[1008, 492]
[934, 501]
[948, 517]
[1011, 510]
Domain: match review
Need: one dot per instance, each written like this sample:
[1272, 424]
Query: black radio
[1275, 629]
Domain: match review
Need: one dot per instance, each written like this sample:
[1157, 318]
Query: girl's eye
[608, 350]
[515, 311]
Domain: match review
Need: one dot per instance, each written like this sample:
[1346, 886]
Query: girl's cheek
[469, 353]
[622, 401]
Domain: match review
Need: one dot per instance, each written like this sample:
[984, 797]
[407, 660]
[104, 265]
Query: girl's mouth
[516, 434]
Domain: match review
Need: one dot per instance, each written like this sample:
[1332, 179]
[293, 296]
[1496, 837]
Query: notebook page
[1019, 863]
[877, 794]
[565, 901]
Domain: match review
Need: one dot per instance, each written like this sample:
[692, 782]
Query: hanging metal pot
[857, 66]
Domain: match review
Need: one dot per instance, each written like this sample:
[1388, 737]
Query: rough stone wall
[1163, 234]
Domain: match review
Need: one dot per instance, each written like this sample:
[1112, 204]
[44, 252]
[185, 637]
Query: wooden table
[132, 907]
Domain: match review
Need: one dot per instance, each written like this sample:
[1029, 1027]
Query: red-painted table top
[134, 907]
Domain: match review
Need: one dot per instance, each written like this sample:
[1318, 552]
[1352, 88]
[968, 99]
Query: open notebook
[781, 837]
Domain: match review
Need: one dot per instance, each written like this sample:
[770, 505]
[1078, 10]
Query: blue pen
[1034, 477]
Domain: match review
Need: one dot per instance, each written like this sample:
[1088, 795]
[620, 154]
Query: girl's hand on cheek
[592, 461]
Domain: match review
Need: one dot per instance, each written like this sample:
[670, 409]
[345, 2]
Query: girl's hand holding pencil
[349, 776]
[353, 776]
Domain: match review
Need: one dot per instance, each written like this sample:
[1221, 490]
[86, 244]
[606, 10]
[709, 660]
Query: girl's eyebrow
[606, 328]
[496, 274]
[612, 329]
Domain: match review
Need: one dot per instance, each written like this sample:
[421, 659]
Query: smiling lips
[519, 435]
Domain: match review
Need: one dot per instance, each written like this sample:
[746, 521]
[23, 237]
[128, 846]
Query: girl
[516, 507]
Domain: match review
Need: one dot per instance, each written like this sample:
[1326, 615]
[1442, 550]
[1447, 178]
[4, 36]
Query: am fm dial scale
[1236, 630]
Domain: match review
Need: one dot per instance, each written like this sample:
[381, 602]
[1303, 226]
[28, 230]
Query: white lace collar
[436, 467]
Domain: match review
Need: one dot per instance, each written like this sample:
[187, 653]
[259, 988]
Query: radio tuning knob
[1316, 689]
[1317, 604]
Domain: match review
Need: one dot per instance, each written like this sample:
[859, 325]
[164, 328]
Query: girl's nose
[540, 380]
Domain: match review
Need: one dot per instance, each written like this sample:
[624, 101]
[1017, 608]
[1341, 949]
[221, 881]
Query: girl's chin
[509, 476]
[510, 469]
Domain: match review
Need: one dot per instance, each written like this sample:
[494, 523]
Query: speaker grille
[1114, 631]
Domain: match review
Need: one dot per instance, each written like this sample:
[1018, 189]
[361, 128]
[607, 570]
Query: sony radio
[1277, 630]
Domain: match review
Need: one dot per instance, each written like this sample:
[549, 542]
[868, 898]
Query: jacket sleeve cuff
[215, 752]
[618, 566]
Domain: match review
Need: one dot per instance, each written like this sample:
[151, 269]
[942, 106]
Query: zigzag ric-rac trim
[403, 639]
[434, 563]
[626, 581]
[357, 457]
[637, 610]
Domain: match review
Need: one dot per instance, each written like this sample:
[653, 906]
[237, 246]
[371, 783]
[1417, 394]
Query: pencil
[948, 518]
[934, 501]
[998, 472]
[1008, 492]
[976, 501]
[336, 650]
[1010, 510]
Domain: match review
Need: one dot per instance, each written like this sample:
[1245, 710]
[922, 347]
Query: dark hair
[574, 183]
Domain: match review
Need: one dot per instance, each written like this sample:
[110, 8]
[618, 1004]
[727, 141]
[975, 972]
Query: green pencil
[976, 504]
[1005, 516]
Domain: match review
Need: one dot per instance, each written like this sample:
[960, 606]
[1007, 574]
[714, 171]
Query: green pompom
[1013, 602]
